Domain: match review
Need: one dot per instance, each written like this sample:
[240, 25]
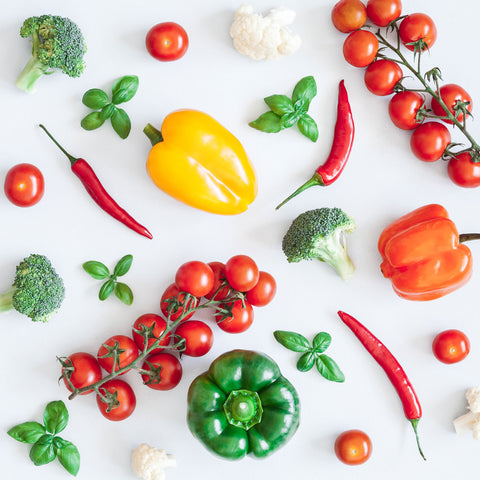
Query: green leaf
[321, 342]
[95, 98]
[92, 121]
[106, 289]
[124, 89]
[329, 369]
[306, 362]
[289, 119]
[121, 123]
[68, 455]
[268, 122]
[42, 452]
[123, 265]
[307, 126]
[279, 104]
[124, 293]
[96, 269]
[55, 416]
[107, 111]
[292, 341]
[27, 432]
[304, 92]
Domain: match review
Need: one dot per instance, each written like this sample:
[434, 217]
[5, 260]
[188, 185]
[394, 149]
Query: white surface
[381, 182]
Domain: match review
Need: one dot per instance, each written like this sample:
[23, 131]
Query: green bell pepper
[243, 405]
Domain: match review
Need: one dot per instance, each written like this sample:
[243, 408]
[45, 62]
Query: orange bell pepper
[199, 162]
[423, 256]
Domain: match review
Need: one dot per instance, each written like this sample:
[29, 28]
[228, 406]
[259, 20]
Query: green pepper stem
[70, 157]
[314, 181]
[414, 422]
[153, 134]
[465, 237]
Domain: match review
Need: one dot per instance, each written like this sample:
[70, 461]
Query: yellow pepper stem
[154, 135]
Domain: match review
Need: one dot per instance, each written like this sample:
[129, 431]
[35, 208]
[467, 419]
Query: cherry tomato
[429, 140]
[403, 109]
[451, 94]
[463, 172]
[263, 292]
[198, 337]
[158, 326]
[353, 447]
[195, 277]
[126, 347]
[415, 27]
[125, 397]
[241, 273]
[360, 48]
[240, 320]
[24, 185]
[451, 346]
[218, 269]
[86, 371]
[172, 291]
[381, 76]
[167, 41]
[349, 15]
[169, 369]
[382, 12]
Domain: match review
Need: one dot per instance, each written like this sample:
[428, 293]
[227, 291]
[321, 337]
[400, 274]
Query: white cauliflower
[471, 420]
[148, 462]
[264, 38]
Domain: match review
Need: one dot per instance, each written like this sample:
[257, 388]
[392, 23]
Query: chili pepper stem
[153, 134]
[414, 422]
[314, 181]
[465, 237]
[70, 157]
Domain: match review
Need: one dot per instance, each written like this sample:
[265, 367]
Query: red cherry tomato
[349, 15]
[169, 370]
[360, 48]
[195, 277]
[81, 370]
[241, 273]
[403, 109]
[353, 447]
[126, 347]
[218, 269]
[415, 27]
[451, 346]
[429, 140]
[382, 12]
[263, 292]
[381, 76]
[451, 94]
[157, 325]
[240, 320]
[198, 337]
[24, 185]
[167, 41]
[172, 291]
[125, 397]
[463, 172]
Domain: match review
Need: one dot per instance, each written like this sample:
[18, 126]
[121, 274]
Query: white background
[381, 182]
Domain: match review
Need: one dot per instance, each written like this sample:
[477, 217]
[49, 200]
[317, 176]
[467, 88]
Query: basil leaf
[124, 293]
[306, 362]
[68, 455]
[124, 89]
[106, 289]
[92, 121]
[27, 432]
[42, 451]
[107, 111]
[55, 417]
[96, 269]
[121, 123]
[304, 92]
[279, 104]
[268, 122]
[307, 126]
[123, 265]
[329, 369]
[95, 98]
[291, 340]
[289, 119]
[321, 342]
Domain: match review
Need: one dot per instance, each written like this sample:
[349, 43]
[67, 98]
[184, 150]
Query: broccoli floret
[57, 44]
[320, 234]
[37, 290]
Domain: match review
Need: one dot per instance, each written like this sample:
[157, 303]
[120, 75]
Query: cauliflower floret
[264, 38]
[148, 462]
[471, 420]
[473, 399]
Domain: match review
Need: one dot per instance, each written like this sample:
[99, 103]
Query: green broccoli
[57, 44]
[37, 291]
[320, 234]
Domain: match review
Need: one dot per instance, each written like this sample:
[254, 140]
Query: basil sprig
[285, 112]
[100, 271]
[123, 90]
[47, 445]
[311, 354]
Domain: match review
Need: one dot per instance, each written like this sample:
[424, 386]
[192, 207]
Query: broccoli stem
[6, 299]
[340, 261]
[33, 70]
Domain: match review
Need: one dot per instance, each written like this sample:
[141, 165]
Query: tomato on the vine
[198, 337]
[169, 370]
[417, 26]
[167, 41]
[125, 397]
[429, 140]
[172, 292]
[240, 319]
[81, 370]
[24, 185]
[125, 347]
[349, 15]
[241, 272]
[403, 109]
[195, 277]
[463, 172]
[382, 12]
[360, 48]
[263, 292]
[158, 326]
[218, 269]
[451, 94]
[451, 346]
[381, 76]
[353, 447]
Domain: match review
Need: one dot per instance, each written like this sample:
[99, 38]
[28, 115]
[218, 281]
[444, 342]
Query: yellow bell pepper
[199, 162]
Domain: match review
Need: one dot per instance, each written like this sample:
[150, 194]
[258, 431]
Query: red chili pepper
[343, 136]
[394, 371]
[98, 193]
